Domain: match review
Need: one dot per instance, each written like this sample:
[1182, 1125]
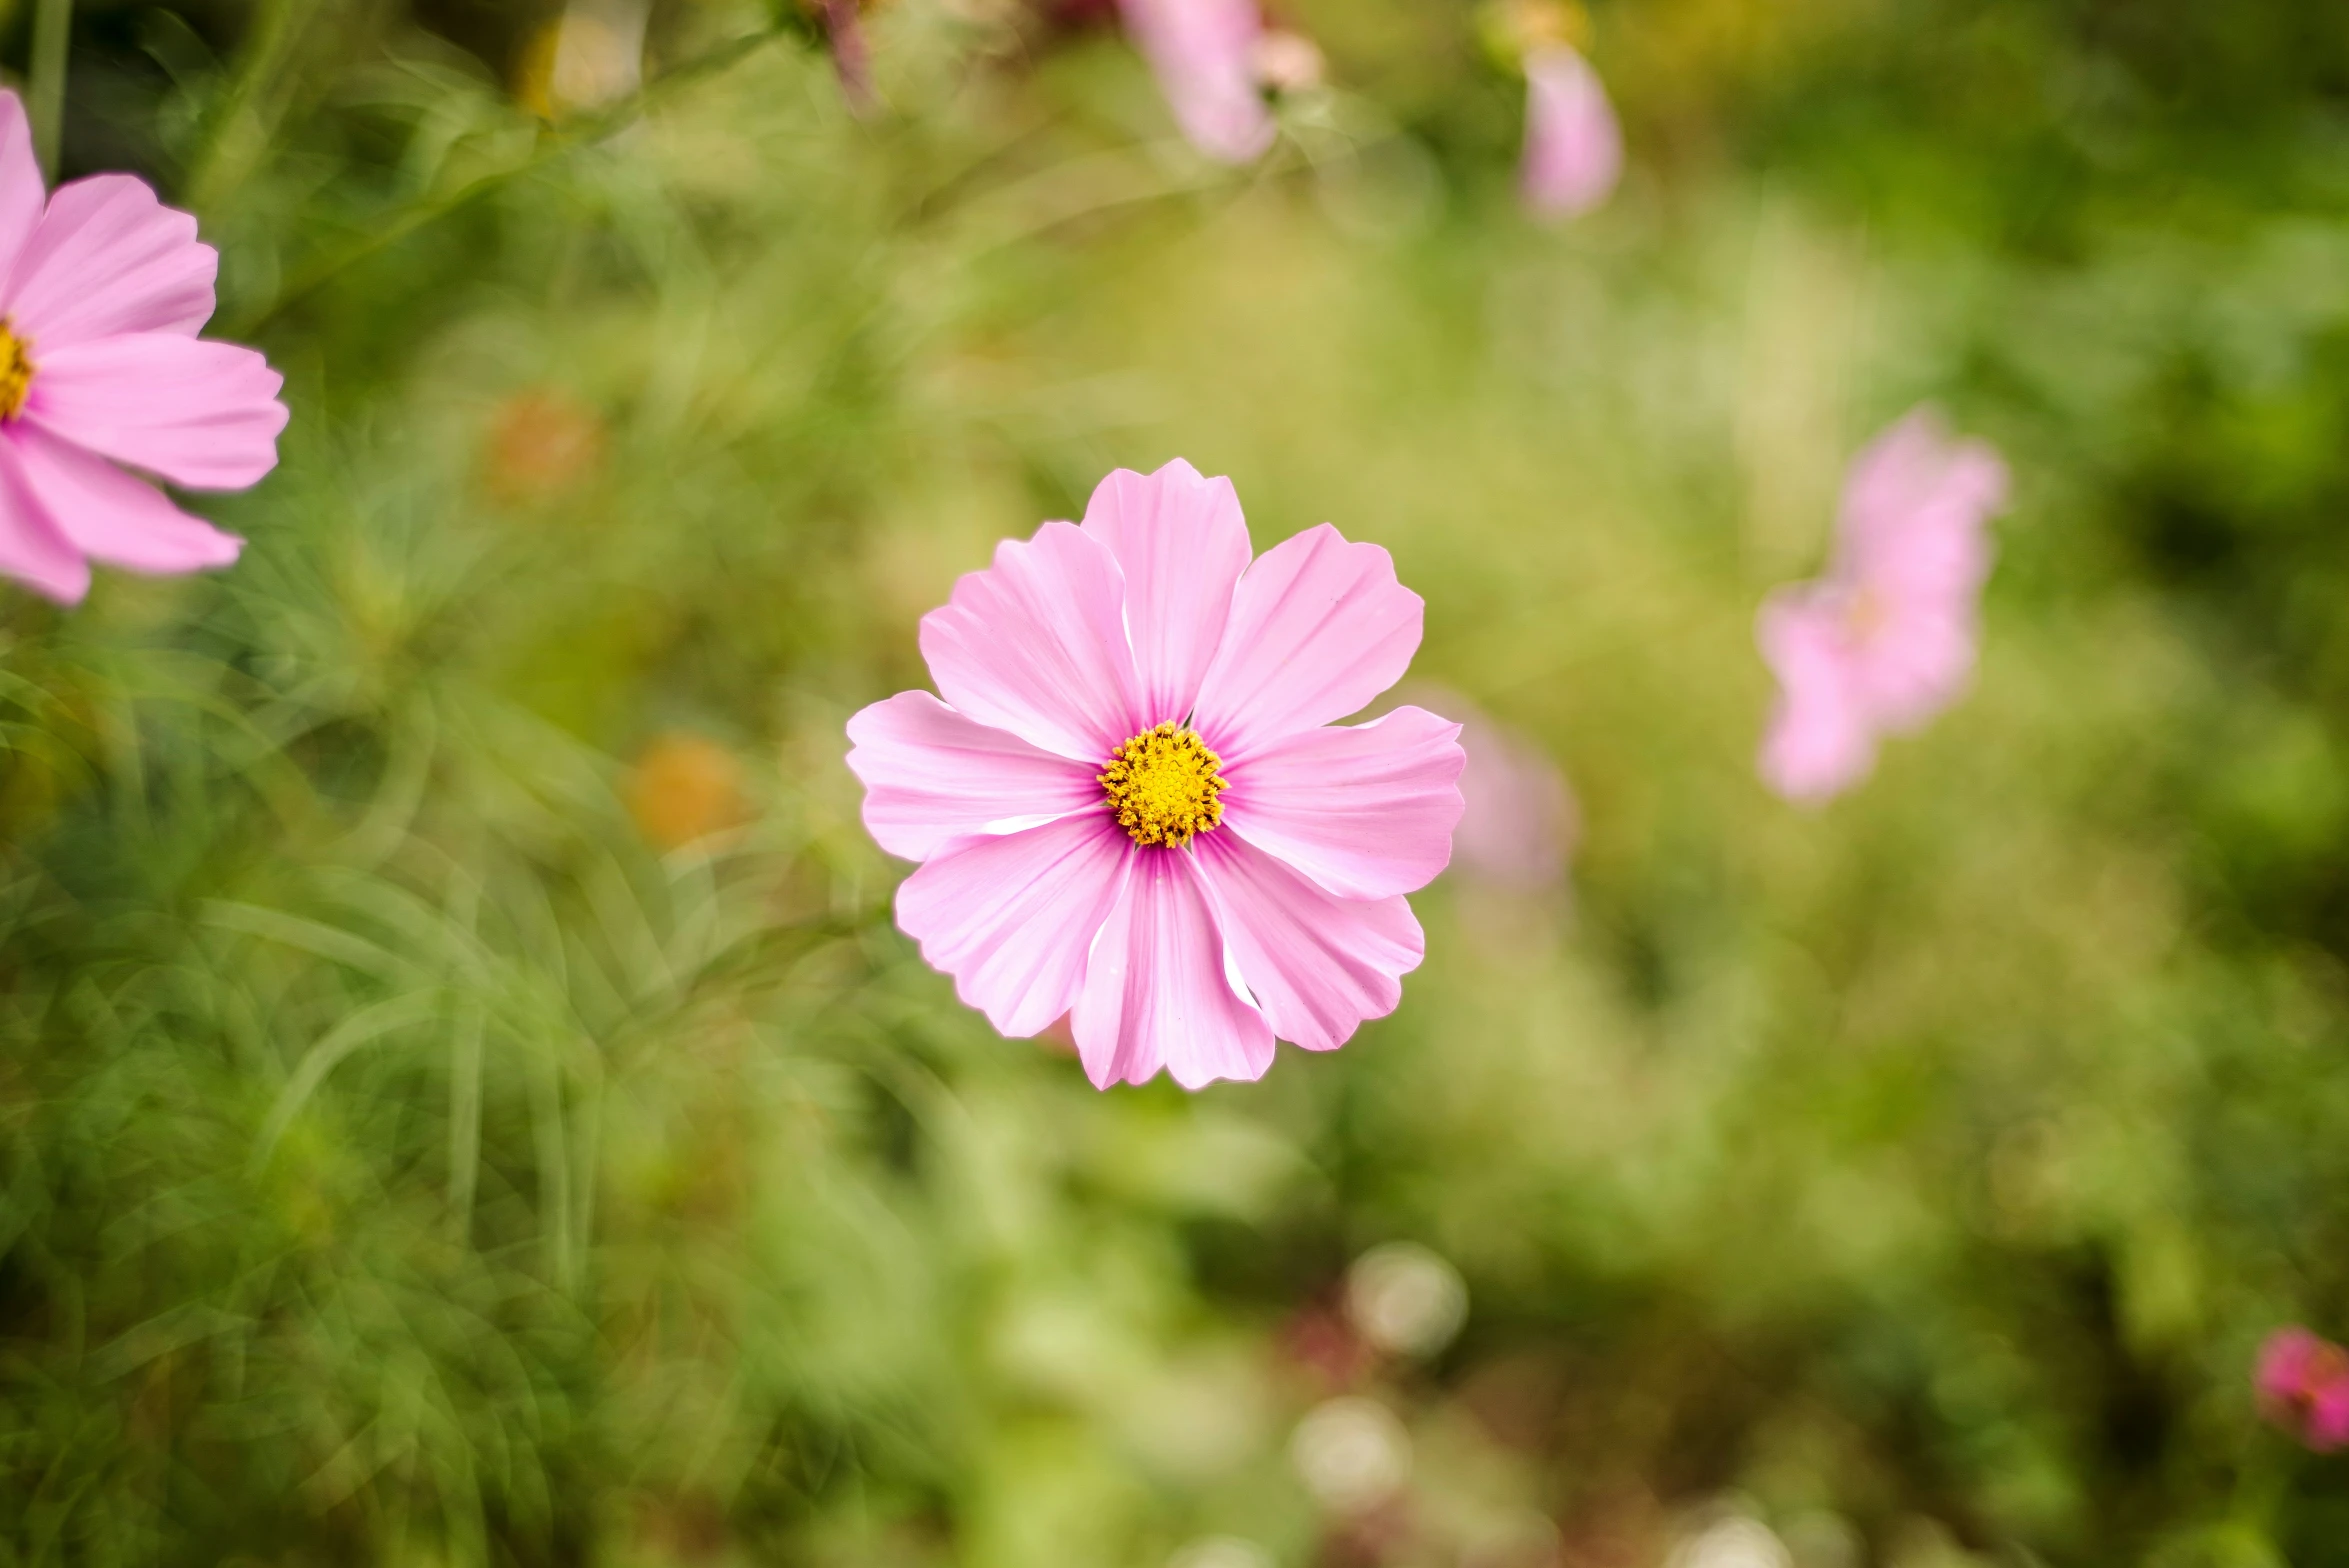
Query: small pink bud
[1573, 145]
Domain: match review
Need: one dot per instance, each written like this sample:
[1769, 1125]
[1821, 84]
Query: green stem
[551, 147]
[52, 31]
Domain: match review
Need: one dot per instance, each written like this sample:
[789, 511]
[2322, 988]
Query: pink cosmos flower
[1133, 806]
[1886, 640]
[1573, 145]
[2303, 1387]
[104, 289]
[1205, 56]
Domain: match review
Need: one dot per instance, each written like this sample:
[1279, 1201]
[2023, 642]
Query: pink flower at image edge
[2303, 1386]
[1573, 143]
[1205, 56]
[1886, 639]
[105, 289]
[1133, 806]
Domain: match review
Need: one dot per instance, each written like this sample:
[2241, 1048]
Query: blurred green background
[462, 1097]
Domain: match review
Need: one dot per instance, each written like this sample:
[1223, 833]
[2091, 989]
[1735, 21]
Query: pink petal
[1914, 551]
[2328, 1416]
[1915, 520]
[21, 193]
[1367, 812]
[112, 516]
[1319, 627]
[108, 258]
[1012, 918]
[1155, 994]
[1036, 645]
[1820, 742]
[1316, 964]
[195, 412]
[1203, 53]
[1918, 661]
[932, 776]
[1182, 543]
[31, 549]
[1519, 823]
[2284, 1363]
[1573, 145]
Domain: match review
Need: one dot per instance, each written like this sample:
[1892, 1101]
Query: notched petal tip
[933, 777]
[1366, 810]
[1320, 625]
[1036, 644]
[1318, 965]
[1012, 918]
[1154, 995]
[106, 258]
[1181, 543]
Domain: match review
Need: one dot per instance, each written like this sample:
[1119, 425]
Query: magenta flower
[1205, 56]
[1137, 810]
[100, 364]
[1573, 145]
[2303, 1387]
[1886, 640]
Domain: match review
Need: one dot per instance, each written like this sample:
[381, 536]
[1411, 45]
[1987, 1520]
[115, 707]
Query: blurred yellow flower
[541, 443]
[685, 787]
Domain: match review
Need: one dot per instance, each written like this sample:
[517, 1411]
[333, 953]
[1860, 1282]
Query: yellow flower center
[1162, 784]
[1866, 614]
[16, 370]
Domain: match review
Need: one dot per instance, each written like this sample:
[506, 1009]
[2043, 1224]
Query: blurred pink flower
[1573, 145]
[100, 364]
[1886, 640]
[852, 58]
[2303, 1386]
[1205, 54]
[1518, 827]
[1137, 809]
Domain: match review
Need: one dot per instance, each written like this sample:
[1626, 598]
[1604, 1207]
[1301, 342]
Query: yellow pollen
[16, 370]
[1866, 614]
[1162, 784]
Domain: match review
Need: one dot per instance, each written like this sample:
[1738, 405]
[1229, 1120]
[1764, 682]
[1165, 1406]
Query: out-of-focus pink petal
[1573, 145]
[1316, 964]
[1036, 645]
[112, 516]
[1914, 663]
[932, 776]
[1155, 994]
[108, 258]
[1913, 554]
[1915, 522]
[1319, 627]
[1366, 811]
[1819, 742]
[31, 549]
[1518, 825]
[21, 192]
[195, 412]
[2281, 1375]
[1182, 543]
[1203, 53]
[2328, 1416]
[1012, 918]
